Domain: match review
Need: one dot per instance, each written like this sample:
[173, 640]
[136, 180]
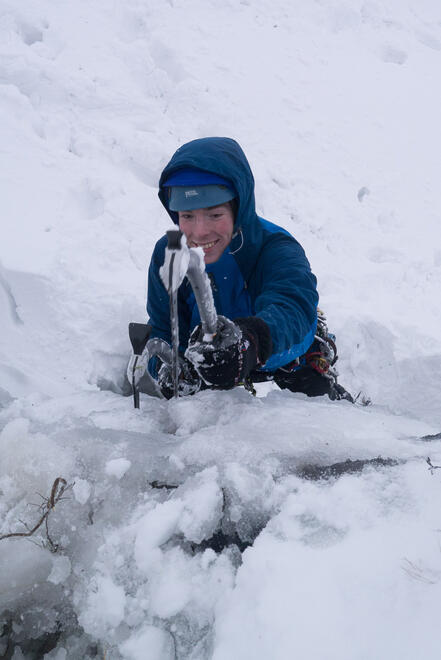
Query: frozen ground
[214, 527]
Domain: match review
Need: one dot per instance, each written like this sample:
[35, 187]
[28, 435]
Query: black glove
[189, 380]
[237, 348]
[310, 382]
[304, 379]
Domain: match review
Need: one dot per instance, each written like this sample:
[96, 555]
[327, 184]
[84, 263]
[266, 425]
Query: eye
[216, 216]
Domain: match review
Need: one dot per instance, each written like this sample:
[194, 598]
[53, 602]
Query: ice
[104, 609]
[56, 654]
[219, 525]
[194, 510]
[202, 501]
[27, 566]
[117, 467]
[305, 558]
[29, 458]
[154, 529]
[61, 569]
[81, 490]
[148, 644]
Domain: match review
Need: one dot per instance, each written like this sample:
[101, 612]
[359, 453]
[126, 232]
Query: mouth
[204, 246]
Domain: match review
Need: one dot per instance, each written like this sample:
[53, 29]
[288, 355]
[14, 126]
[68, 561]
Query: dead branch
[431, 466]
[420, 573]
[58, 488]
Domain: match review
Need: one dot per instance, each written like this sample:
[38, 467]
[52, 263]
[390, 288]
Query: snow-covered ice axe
[180, 262]
[172, 273]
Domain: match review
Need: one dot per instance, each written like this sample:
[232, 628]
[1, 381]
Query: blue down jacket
[263, 272]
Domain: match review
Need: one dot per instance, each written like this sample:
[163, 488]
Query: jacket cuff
[260, 335]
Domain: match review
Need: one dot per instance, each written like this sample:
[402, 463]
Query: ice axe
[180, 262]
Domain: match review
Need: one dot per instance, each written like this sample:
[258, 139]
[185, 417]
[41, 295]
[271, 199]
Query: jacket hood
[221, 156]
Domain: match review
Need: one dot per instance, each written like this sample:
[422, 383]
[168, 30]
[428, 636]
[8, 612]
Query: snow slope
[201, 528]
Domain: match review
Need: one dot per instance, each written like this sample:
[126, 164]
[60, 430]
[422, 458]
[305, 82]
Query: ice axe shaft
[202, 292]
[172, 274]
[174, 327]
[181, 261]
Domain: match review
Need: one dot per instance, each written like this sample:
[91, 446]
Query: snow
[149, 643]
[117, 467]
[104, 608]
[200, 528]
[81, 489]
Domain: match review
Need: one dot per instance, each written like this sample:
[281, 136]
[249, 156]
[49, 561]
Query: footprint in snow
[392, 55]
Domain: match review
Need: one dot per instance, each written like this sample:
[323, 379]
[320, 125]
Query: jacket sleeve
[286, 297]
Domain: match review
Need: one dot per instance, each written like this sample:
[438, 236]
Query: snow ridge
[222, 525]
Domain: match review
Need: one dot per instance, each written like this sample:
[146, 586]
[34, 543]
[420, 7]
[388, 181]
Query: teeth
[205, 246]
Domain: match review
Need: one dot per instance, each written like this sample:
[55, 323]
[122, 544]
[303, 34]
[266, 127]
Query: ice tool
[180, 262]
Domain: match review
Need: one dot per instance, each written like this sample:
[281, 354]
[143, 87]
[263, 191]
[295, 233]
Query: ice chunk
[150, 643]
[105, 607]
[194, 510]
[81, 490]
[61, 568]
[154, 529]
[203, 500]
[117, 467]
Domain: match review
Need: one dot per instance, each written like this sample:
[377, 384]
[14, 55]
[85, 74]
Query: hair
[234, 206]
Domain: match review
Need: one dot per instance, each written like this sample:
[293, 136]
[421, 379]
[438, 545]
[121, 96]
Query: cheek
[184, 227]
[227, 229]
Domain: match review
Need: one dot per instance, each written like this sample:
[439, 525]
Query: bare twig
[52, 546]
[431, 466]
[160, 484]
[58, 488]
[421, 573]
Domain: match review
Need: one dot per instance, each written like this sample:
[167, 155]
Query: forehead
[220, 207]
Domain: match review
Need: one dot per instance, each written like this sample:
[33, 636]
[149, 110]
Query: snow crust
[200, 528]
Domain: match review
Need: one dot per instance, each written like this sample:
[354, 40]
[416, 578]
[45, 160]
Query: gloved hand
[237, 348]
[189, 379]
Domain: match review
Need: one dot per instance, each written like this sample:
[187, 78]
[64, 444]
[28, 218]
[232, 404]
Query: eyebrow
[207, 208]
[218, 206]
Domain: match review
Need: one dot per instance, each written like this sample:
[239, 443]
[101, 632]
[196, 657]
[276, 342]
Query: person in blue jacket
[260, 277]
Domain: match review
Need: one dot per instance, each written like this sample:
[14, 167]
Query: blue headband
[194, 177]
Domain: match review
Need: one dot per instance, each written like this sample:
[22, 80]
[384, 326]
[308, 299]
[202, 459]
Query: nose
[201, 226]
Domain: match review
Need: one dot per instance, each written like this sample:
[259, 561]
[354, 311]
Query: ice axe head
[177, 258]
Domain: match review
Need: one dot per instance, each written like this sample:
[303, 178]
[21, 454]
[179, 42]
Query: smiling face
[211, 229]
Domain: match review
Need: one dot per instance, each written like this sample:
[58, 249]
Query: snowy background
[203, 529]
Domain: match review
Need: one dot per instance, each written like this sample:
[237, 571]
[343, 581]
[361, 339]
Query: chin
[214, 256]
